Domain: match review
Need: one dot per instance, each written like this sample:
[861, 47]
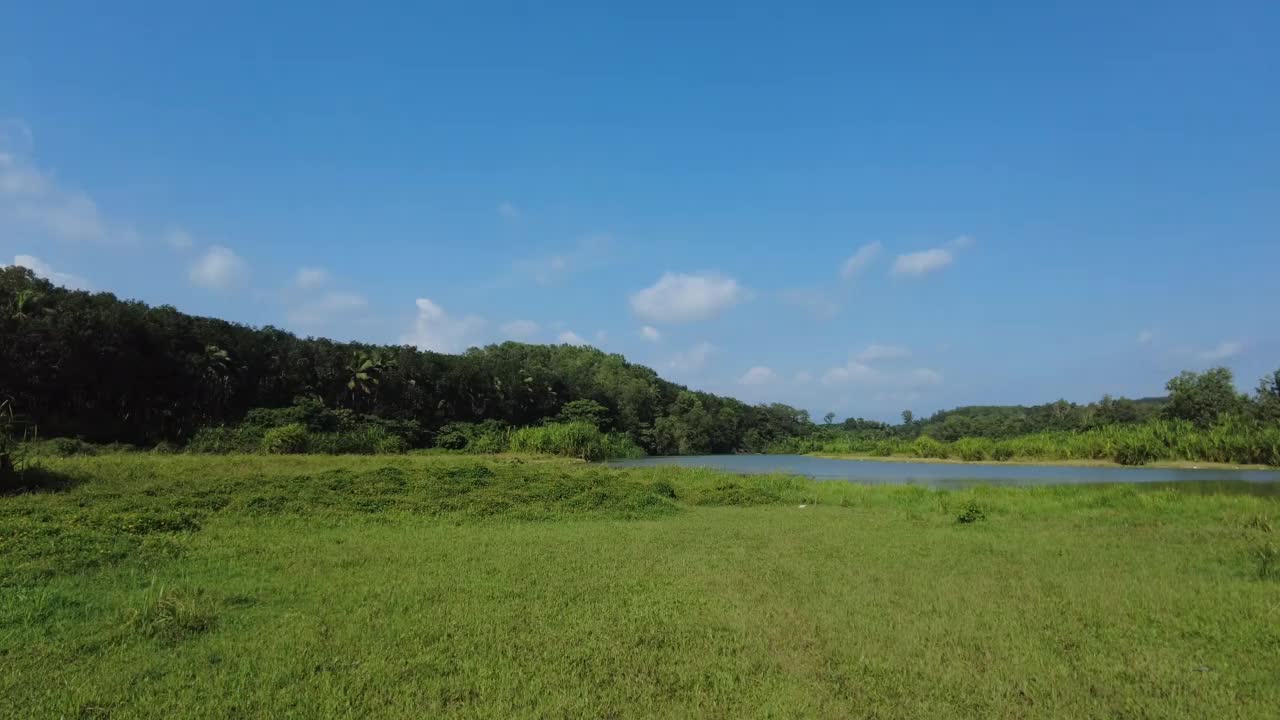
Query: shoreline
[1159, 464]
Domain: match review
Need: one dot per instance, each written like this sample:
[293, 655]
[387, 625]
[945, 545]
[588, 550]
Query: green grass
[159, 586]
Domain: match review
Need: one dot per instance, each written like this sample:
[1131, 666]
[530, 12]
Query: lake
[956, 475]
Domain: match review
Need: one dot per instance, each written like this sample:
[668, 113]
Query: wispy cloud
[1146, 337]
[310, 277]
[923, 262]
[325, 308]
[877, 353]
[758, 375]
[436, 330]
[859, 261]
[1223, 351]
[508, 211]
[569, 337]
[855, 373]
[650, 333]
[680, 298]
[46, 271]
[33, 201]
[219, 268]
[695, 358]
[519, 329]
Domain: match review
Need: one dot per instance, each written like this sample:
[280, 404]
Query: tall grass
[1232, 440]
[574, 439]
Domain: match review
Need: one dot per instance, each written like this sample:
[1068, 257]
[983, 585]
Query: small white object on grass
[803, 507]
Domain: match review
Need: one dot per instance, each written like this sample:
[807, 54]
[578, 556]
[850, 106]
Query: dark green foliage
[580, 440]
[732, 493]
[285, 440]
[93, 366]
[971, 512]
[586, 410]
[1202, 398]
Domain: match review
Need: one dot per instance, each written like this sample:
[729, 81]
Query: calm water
[942, 475]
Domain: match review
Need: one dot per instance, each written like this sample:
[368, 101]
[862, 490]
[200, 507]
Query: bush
[1002, 451]
[1134, 451]
[66, 447]
[285, 440]
[927, 447]
[973, 449]
[577, 439]
[972, 512]
[222, 440]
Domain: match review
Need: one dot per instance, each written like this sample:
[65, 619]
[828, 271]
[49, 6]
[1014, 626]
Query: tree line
[93, 366]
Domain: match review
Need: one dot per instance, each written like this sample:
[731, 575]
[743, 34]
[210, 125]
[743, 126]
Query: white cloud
[569, 337]
[803, 377]
[519, 329]
[1224, 350]
[686, 298]
[44, 270]
[695, 358]
[602, 337]
[859, 261]
[650, 333]
[962, 242]
[179, 239]
[219, 269]
[310, 277]
[435, 330]
[508, 211]
[920, 263]
[32, 199]
[1146, 337]
[758, 375]
[864, 375]
[324, 308]
[876, 353]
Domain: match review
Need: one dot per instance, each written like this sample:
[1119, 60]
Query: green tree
[585, 410]
[908, 417]
[1203, 397]
[1266, 402]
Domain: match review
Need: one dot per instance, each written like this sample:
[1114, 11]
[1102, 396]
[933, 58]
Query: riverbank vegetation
[84, 367]
[149, 585]
[1203, 419]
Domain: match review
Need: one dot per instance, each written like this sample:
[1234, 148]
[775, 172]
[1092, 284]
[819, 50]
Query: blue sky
[849, 207]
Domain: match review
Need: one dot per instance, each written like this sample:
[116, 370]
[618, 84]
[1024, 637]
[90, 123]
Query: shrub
[67, 447]
[577, 439]
[927, 447]
[164, 447]
[285, 440]
[1132, 450]
[1002, 451]
[972, 512]
[973, 449]
[222, 440]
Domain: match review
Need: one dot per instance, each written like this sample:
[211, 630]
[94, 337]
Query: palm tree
[366, 371]
[23, 303]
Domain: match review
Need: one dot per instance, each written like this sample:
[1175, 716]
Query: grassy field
[144, 586]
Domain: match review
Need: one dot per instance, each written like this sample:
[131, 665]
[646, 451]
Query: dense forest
[91, 366]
